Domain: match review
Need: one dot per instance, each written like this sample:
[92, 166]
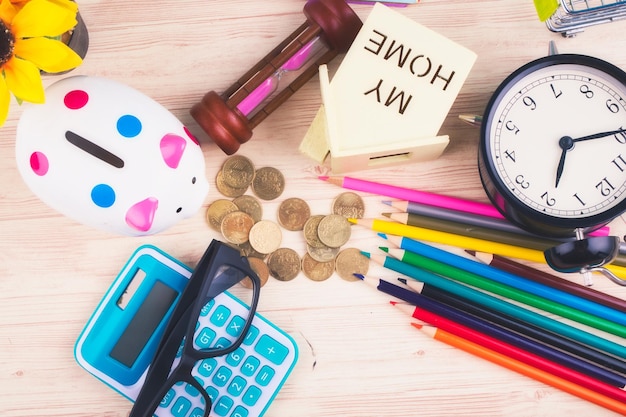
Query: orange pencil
[523, 368]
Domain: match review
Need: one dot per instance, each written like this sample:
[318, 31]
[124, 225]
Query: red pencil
[513, 352]
[524, 369]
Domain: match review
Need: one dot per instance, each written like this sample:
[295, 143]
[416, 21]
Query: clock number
[549, 200]
[612, 106]
[620, 137]
[619, 162]
[510, 126]
[529, 102]
[510, 155]
[586, 91]
[556, 94]
[580, 200]
[519, 180]
[605, 187]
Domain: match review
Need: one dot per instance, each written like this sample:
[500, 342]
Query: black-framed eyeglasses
[181, 347]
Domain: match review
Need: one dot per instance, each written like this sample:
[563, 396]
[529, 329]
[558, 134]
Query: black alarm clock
[552, 152]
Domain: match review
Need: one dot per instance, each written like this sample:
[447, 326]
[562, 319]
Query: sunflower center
[7, 42]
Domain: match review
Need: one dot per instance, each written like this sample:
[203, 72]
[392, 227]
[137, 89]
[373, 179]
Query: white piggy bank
[110, 157]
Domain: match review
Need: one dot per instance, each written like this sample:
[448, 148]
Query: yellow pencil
[465, 242]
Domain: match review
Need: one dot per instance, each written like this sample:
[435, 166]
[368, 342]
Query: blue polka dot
[129, 126]
[103, 195]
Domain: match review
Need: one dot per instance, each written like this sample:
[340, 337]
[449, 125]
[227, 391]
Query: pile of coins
[239, 218]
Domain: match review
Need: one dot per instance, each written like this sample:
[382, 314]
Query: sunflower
[30, 33]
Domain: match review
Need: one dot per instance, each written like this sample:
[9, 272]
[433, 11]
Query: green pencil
[507, 291]
[499, 305]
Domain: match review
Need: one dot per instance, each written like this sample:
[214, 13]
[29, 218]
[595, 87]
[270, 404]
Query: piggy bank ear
[172, 149]
[141, 214]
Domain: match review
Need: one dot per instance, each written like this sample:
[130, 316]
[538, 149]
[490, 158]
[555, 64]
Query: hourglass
[229, 118]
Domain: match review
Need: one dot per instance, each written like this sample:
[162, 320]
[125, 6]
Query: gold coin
[310, 231]
[284, 264]
[268, 183]
[247, 250]
[217, 210]
[236, 227]
[334, 230]
[238, 171]
[317, 271]
[251, 205]
[351, 261]
[322, 254]
[261, 269]
[348, 205]
[226, 189]
[265, 236]
[293, 213]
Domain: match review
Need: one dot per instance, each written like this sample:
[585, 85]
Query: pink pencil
[423, 197]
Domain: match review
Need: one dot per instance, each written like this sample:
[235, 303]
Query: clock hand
[566, 143]
[599, 135]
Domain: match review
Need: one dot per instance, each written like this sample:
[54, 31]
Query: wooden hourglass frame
[228, 119]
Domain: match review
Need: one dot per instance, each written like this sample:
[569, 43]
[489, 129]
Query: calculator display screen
[143, 324]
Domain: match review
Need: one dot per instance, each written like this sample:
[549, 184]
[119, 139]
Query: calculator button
[207, 307]
[235, 357]
[220, 315]
[197, 412]
[236, 386]
[236, 326]
[205, 338]
[181, 407]
[252, 395]
[222, 376]
[240, 412]
[251, 336]
[207, 366]
[222, 343]
[223, 406]
[167, 399]
[191, 390]
[250, 365]
[265, 375]
[271, 349]
[213, 393]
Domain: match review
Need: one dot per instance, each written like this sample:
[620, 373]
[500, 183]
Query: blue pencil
[509, 279]
[502, 306]
[513, 324]
[503, 335]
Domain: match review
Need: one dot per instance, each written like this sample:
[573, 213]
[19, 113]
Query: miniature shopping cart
[573, 16]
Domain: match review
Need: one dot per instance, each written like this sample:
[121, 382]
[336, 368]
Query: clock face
[554, 141]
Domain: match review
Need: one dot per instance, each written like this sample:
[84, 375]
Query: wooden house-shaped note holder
[389, 97]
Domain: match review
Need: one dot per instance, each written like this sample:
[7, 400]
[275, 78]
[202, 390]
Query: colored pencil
[465, 242]
[499, 305]
[513, 267]
[423, 197]
[479, 232]
[518, 326]
[524, 369]
[471, 219]
[478, 281]
[416, 251]
[520, 348]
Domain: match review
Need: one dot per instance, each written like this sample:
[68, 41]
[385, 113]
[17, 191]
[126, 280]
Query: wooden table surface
[358, 355]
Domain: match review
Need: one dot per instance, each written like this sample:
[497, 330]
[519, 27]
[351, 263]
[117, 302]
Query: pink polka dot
[76, 99]
[192, 137]
[39, 163]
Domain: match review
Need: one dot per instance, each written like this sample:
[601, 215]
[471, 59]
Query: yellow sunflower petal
[47, 54]
[7, 12]
[42, 18]
[5, 100]
[24, 80]
[67, 4]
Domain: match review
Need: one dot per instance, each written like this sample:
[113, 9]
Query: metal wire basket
[573, 16]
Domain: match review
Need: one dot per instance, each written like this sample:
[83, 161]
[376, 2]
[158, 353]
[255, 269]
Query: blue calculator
[121, 337]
